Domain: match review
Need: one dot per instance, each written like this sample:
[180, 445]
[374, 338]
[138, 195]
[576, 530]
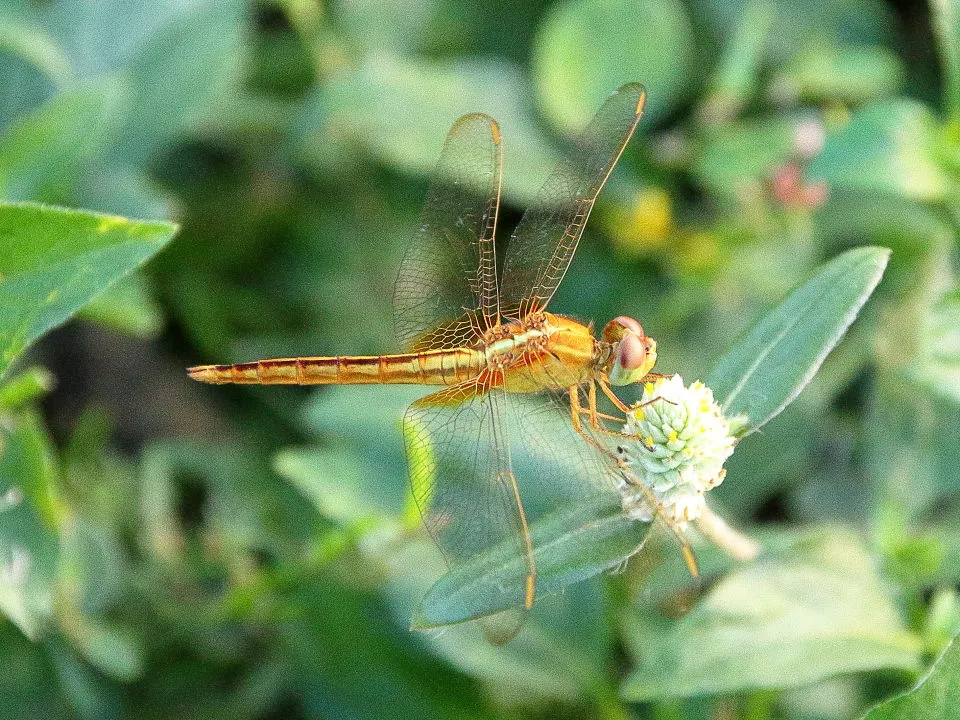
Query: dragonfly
[506, 367]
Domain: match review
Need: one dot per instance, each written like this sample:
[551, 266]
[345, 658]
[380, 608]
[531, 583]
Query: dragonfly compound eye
[621, 327]
[631, 353]
[633, 357]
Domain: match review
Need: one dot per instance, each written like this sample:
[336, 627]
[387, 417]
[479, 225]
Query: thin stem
[733, 542]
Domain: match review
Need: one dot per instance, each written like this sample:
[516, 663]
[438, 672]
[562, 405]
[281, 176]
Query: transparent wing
[462, 477]
[447, 287]
[484, 467]
[556, 466]
[543, 244]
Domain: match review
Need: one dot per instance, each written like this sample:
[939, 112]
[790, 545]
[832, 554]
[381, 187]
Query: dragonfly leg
[595, 415]
[508, 479]
[651, 401]
[608, 391]
[576, 410]
[595, 424]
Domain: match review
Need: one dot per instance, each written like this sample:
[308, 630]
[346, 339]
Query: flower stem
[733, 542]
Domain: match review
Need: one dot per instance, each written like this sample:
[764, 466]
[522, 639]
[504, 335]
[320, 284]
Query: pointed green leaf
[28, 536]
[945, 15]
[569, 546]
[888, 147]
[768, 368]
[55, 261]
[936, 696]
[808, 611]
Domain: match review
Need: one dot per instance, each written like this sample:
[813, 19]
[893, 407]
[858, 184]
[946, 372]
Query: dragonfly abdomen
[434, 367]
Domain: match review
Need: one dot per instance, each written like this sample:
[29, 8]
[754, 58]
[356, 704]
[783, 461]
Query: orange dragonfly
[488, 339]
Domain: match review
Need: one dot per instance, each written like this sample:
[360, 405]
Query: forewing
[446, 291]
[462, 478]
[544, 242]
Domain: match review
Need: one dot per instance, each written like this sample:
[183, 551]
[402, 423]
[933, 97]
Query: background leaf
[886, 147]
[56, 260]
[806, 610]
[937, 695]
[49, 145]
[946, 26]
[587, 48]
[424, 100]
[781, 354]
[28, 525]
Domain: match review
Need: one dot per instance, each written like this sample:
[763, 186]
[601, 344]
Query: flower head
[682, 441]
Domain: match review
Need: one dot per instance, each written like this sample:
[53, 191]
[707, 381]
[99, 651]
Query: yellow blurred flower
[645, 224]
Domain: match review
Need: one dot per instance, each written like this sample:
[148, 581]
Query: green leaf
[127, 307]
[865, 22]
[886, 147]
[180, 74]
[570, 545]
[361, 473]
[400, 112]
[945, 16]
[738, 71]
[560, 654]
[808, 611]
[28, 536]
[936, 696]
[911, 452]
[824, 73]
[36, 48]
[942, 621]
[25, 387]
[763, 374]
[937, 361]
[86, 691]
[588, 48]
[738, 156]
[56, 260]
[124, 190]
[101, 37]
[362, 22]
[48, 144]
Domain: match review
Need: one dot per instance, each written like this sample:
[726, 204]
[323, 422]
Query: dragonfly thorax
[543, 351]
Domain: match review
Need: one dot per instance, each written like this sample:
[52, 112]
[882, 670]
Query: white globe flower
[682, 441]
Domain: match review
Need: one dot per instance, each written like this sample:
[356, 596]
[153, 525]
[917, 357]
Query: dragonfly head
[633, 354]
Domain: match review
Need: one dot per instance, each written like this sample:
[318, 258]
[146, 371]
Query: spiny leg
[594, 414]
[595, 424]
[633, 479]
[601, 415]
[594, 419]
[608, 391]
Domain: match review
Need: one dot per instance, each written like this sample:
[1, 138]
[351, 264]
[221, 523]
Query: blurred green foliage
[169, 550]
